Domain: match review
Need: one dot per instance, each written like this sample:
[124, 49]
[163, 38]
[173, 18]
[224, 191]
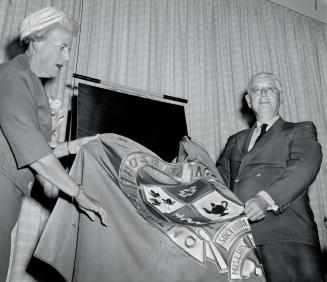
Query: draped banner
[167, 221]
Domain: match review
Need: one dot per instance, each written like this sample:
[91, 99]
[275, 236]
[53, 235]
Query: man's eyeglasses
[266, 90]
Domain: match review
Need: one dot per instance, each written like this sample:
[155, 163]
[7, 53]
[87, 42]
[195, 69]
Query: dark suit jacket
[283, 163]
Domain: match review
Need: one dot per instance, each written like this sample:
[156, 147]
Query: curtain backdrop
[205, 51]
[200, 50]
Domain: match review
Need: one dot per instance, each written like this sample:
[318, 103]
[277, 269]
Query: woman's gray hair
[36, 36]
[276, 80]
[42, 34]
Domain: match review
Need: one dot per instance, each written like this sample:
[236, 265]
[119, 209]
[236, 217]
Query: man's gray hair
[276, 80]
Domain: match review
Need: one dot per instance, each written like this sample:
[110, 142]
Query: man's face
[52, 52]
[264, 98]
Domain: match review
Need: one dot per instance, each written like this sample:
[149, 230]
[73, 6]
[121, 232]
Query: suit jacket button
[236, 180]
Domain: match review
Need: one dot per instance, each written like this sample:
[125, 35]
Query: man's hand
[256, 208]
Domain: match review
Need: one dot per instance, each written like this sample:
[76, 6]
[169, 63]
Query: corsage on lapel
[57, 117]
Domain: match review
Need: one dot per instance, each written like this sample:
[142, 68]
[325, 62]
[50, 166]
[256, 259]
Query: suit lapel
[245, 142]
[266, 139]
[242, 143]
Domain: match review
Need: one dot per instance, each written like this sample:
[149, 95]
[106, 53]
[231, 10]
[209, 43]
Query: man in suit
[270, 168]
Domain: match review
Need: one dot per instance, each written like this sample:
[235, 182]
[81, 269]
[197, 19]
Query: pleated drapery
[205, 51]
[200, 50]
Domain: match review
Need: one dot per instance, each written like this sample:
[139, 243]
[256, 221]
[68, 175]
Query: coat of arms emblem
[194, 209]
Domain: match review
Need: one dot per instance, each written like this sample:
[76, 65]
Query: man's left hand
[256, 208]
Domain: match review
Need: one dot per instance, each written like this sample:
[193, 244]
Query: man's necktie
[262, 132]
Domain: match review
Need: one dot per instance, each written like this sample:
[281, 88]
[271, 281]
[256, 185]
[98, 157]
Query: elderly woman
[25, 123]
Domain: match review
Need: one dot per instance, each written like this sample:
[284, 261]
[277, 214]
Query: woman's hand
[91, 207]
[51, 169]
[75, 145]
[72, 147]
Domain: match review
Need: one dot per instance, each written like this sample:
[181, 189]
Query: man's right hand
[256, 208]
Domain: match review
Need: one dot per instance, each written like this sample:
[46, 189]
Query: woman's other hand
[91, 207]
[75, 145]
[72, 147]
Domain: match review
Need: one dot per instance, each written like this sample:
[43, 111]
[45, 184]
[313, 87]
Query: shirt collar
[270, 122]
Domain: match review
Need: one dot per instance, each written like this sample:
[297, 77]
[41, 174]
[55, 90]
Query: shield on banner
[196, 203]
[193, 208]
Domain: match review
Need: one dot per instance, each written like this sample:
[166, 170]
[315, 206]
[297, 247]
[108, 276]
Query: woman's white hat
[42, 19]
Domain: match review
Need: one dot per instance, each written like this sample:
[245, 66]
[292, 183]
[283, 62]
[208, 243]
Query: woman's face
[52, 52]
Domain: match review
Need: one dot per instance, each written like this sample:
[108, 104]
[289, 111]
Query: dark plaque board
[157, 125]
